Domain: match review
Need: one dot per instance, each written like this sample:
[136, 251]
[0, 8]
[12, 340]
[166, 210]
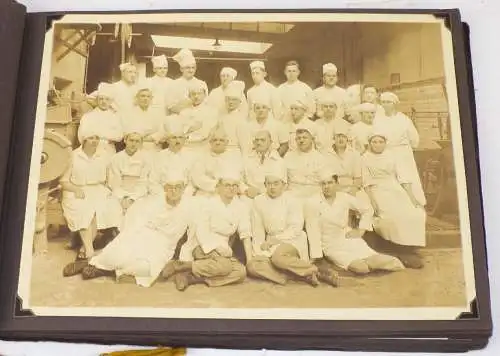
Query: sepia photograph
[256, 166]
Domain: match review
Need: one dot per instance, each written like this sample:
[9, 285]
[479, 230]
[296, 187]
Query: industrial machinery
[54, 161]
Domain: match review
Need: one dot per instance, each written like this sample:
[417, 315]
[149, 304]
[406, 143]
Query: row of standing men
[383, 177]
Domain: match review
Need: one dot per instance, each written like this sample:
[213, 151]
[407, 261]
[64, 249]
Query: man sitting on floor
[280, 244]
[212, 261]
[141, 251]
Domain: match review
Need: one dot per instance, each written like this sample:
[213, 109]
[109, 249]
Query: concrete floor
[439, 283]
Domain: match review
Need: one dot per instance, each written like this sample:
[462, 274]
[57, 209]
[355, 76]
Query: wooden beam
[71, 47]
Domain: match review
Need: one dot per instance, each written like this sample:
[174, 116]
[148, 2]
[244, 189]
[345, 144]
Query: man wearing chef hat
[212, 260]
[330, 91]
[304, 165]
[217, 97]
[262, 87]
[145, 118]
[199, 119]
[261, 159]
[298, 118]
[361, 130]
[161, 85]
[175, 157]
[128, 174]
[210, 163]
[235, 117]
[279, 242]
[292, 88]
[142, 260]
[123, 91]
[263, 120]
[329, 123]
[103, 120]
[330, 234]
[180, 96]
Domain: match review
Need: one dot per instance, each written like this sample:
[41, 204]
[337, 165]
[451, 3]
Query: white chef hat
[299, 100]
[159, 61]
[228, 172]
[389, 96]
[127, 65]
[184, 57]
[328, 98]
[329, 67]
[376, 133]
[229, 71]
[257, 64]
[340, 131]
[88, 132]
[235, 89]
[328, 172]
[366, 107]
[196, 84]
[276, 171]
[105, 89]
[261, 98]
[171, 176]
[301, 126]
[133, 129]
[175, 126]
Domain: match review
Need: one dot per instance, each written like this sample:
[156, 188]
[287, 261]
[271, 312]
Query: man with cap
[360, 131]
[304, 165]
[103, 120]
[180, 98]
[330, 92]
[263, 88]
[261, 159]
[217, 97]
[199, 119]
[209, 165]
[262, 120]
[148, 120]
[279, 242]
[299, 119]
[370, 95]
[161, 85]
[173, 158]
[329, 123]
[140, 252]
[293, 88]
[235, 117]
[207, 256]
[329, 233]
[347, 161]
[124, 90]
[402, 138]
[128, 174]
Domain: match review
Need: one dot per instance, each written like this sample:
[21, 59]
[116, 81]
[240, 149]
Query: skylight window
[207, 44]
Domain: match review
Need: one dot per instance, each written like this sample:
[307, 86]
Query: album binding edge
[12, 18]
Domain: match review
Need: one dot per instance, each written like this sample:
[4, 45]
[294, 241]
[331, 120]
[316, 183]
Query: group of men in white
[280, 168]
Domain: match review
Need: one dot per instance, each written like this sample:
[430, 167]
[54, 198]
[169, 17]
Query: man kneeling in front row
[207, 256]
